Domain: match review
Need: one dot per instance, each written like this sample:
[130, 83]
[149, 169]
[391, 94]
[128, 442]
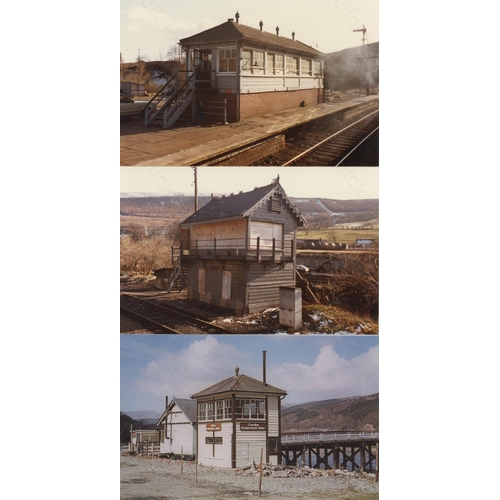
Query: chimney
[237, 16]
[293, 35]
[277, 31]
[237, 370]
[264, 367]
[166, 402]
[230, 19]
[261, 24]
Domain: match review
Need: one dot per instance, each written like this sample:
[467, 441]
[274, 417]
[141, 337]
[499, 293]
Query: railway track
[159, 318]
[336, 148]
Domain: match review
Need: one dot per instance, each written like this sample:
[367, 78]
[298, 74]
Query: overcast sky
[309, 368]
[153, 26]
[341, 183]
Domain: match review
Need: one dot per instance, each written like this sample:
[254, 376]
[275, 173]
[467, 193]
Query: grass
[334, 319]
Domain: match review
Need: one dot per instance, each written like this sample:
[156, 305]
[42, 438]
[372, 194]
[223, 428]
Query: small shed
[237, 418]
[144, 441]
[239, 249]
[178, 422]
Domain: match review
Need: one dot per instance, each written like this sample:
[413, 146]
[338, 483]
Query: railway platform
[196, 144]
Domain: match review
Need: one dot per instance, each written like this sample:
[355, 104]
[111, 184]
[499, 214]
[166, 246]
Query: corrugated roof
[239, 383]
[232, 31]
[241, 205]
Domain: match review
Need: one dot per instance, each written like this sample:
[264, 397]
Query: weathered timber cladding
[213, 284]
[273, 417]
[219, 230]
[285, 217]
[264, 282]
[248, 446]
[218, 455]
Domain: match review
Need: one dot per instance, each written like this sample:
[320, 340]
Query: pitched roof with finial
[242, 205]
[240, 384]
[232, 31]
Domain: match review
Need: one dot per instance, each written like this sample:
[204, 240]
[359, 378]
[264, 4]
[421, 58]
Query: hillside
[359, 413]
[126, 421]
[163, 213]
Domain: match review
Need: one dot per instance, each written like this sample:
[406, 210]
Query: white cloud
[203, 363]
[330, 376]
[208, 361]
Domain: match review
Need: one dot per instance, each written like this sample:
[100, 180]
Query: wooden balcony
[252, 250]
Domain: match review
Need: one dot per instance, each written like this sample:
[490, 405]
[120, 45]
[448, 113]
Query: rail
[328, 139]
[314, 437]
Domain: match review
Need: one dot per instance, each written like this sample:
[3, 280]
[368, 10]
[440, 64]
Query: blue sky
[341, 183]
[309, 368]
[153, 26]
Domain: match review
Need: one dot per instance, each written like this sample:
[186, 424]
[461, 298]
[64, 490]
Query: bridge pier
[348, 450]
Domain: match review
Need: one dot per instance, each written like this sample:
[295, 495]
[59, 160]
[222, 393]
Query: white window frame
[219, 49]
[292, 65]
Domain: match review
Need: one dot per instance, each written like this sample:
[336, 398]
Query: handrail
[163, 88]
[243, 243]
[305, 437]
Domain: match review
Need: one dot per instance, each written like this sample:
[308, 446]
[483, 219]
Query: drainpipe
[238, 55]
[264, 367]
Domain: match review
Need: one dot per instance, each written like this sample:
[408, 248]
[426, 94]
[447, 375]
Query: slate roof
[239, 383]
[232, 31]
[241, 205]
[188, 406]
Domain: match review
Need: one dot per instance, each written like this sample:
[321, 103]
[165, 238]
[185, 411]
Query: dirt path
[147, 479]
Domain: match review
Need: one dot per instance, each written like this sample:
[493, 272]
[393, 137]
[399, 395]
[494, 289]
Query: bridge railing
[314, 437]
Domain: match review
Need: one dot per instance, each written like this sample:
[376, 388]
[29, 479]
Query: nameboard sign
[214, 426]
[252, 426]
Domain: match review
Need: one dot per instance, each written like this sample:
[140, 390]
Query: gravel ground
[146, 479]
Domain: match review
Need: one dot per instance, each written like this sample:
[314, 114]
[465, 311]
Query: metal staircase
[179, 280]
[171, 101]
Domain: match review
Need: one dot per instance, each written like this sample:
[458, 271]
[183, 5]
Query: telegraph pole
[195, 189]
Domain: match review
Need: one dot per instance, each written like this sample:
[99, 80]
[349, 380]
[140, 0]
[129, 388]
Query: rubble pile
[282, 471]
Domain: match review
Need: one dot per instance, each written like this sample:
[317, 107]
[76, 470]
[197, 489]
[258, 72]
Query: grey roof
[239, 383]
[232, 31]
[241, 205]
[188, 407]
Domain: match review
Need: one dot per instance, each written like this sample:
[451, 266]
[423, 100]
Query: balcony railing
[253, 249]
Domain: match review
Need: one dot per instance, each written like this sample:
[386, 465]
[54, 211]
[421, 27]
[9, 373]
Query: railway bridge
[355, 451]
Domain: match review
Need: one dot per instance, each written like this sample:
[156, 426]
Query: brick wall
[252, 105]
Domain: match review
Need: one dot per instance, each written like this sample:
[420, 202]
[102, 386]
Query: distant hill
[171, 210]
[144, 415]
[127, 422]
[358, 413]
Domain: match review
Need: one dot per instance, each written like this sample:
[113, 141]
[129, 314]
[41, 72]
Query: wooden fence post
[260, 474]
